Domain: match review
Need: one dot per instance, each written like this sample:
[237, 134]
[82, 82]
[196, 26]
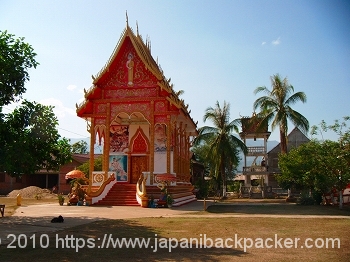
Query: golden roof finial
[137, 28]
[127, 19]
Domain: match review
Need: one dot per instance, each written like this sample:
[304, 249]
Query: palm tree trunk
[223, 177]
[283, 143]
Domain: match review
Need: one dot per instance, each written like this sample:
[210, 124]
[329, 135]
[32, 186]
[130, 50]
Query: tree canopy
[276, 107]
[28, 136]
[16, 58]
[85, 168]
[311, 166]
[30, 140]
[80, 147]
[222, 149]
[319, 165]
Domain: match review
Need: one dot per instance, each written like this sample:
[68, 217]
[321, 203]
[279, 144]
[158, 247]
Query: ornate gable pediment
[132, 76]
[127, 71]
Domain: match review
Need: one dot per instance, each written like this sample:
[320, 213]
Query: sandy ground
[37, 218]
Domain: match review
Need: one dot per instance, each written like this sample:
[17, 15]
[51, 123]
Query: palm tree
[276, 107]
[223, 145]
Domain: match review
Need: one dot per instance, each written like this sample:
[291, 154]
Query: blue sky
[213, 50]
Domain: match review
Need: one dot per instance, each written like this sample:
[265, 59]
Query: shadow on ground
[97, 241]
[35, 225]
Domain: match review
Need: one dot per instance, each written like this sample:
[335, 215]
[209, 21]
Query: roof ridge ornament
[127, 19]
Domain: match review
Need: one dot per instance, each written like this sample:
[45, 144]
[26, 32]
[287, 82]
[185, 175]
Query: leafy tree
[276, 107]
[29, 136]
[311, 166]
[30, 141]
[209, 186]
[16, 58]
[223, 146]
[85, 168]
[341, 158]
[80, 147]
[315, 166]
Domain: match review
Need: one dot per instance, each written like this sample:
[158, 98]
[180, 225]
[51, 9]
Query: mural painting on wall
[119, 138]
[118, 164]
[160, 138]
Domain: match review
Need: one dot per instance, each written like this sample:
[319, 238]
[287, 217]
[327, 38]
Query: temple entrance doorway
[139, 164]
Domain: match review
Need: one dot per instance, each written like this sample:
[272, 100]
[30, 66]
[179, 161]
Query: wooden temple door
[139, 164]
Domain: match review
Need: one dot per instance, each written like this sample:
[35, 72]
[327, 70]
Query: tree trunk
[224, 189]
[340, 199]
[283, 145]
[223, 185]
[223, 177]
[283, 142]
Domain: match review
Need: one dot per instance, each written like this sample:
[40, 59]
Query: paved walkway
[37, 218]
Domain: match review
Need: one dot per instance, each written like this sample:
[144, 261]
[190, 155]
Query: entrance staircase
[120, 195]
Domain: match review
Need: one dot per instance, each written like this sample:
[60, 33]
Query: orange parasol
[75, 174]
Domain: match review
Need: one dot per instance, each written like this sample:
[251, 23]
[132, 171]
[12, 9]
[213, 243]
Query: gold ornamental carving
[101, 108]
[160, 106]
[160, 119]
[125, 93]
[100, 121]
[130, 108]
[130, 71]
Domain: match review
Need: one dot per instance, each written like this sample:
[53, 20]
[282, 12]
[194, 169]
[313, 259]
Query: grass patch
[278, 209]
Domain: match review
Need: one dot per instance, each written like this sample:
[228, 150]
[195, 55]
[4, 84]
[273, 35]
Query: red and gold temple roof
[107, 84]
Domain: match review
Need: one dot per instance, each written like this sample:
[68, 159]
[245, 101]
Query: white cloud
[71, 87]
[59, 109]
[277, 41]
[263, 43]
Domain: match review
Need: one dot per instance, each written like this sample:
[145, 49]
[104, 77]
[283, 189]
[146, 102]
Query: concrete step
[120, 195]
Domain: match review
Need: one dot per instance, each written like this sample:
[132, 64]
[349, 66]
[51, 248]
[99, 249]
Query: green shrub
[305, 199]
[203, 188]
[317, 196]
[233, 186]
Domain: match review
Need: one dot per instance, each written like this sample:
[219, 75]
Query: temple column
[151, 135]
[129, 167]
[92, 153]
[107, 141]
[168, 144]
[188, 166]
[175, 150]
[180, 148]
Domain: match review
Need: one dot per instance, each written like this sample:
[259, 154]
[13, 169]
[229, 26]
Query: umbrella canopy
[75, 174]
[166, 177]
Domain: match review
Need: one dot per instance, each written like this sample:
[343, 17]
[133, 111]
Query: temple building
[145, 128]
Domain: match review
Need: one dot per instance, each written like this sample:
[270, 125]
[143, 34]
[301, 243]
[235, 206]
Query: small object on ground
[2, 210]
[58, 219]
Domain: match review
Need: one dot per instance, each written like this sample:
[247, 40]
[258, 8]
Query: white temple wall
[160, 162]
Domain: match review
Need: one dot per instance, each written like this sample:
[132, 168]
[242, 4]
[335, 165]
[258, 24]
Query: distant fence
[260, 192]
